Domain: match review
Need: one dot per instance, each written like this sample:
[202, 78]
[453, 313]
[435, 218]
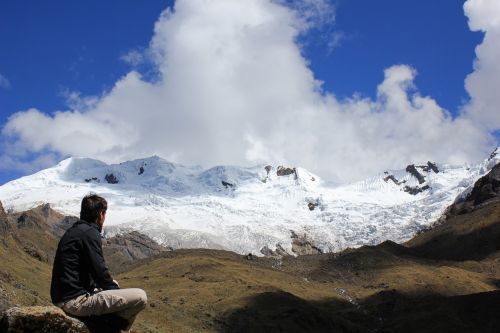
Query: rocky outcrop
[301, 245]
[414, 172]
[40, 319]
[487, 187]
[493, 154]
[227, 184]
[279, 252]
[268, 169]
[394, 180]
[432, 166]
[111, 178]
[130, 247]
[414, 190]
[93, 179]
[312, 205]
[285, 171]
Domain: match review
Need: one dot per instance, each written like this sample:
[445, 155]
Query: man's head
[94, 209]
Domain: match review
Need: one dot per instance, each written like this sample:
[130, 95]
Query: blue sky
[49, 49]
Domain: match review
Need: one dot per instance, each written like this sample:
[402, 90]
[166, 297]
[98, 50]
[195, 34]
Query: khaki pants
[126, 303]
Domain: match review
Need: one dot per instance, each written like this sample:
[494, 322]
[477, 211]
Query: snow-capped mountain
[246, 209]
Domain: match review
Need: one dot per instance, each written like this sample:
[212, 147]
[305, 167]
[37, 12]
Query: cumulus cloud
[4, 82]
[234, 88]
[483, 84]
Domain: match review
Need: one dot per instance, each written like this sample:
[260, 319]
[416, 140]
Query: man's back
[79, 264]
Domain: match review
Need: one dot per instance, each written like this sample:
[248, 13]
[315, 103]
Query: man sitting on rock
[81, 283]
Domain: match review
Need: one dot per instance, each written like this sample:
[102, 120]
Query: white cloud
[234, 88]
[483, 84]
[133, 58]
[4, 82]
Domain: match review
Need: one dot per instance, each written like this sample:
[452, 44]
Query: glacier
[244, 209]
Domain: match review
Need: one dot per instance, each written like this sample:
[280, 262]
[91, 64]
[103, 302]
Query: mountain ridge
[249, 209]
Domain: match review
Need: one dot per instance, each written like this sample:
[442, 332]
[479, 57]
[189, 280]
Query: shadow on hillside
[387, 311]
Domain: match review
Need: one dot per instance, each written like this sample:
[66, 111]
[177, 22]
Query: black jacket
[79, 265]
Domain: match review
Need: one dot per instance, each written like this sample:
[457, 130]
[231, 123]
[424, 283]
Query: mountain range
[259, 210]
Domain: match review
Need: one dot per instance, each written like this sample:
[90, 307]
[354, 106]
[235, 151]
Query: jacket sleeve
[92, 247]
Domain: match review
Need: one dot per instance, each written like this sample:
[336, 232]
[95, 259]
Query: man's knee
[143, 298]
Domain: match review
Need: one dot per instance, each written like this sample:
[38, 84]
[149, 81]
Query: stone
[41, 319]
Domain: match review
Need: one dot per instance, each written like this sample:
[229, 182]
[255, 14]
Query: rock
[268, 169]
[312, 205]
[227, 184]
[414, 190]
[284, 171]
[111, 179]
[302, 246]
[49, 319]
[129, 247]
[267, 251]
[279, 252]
[487, 187]
[93, 179]
[413, 171]
[493, 154]
[141, 170]
[394, 180]
[433, 166]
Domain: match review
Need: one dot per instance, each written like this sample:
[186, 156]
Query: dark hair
[92, 206]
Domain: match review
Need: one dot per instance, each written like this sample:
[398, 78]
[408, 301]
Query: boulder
[41, 319]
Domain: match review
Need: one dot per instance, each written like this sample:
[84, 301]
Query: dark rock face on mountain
[414, 172]
[414, 190]
[432, 166]
[469, 229]
[394, 180]
[486, 188]
[227, 184]
[40, 319]
[111, 178]
[285, 171]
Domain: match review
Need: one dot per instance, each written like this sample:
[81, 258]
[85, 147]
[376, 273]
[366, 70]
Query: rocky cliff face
[129, 247]
[485, 189]
[470, 228]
